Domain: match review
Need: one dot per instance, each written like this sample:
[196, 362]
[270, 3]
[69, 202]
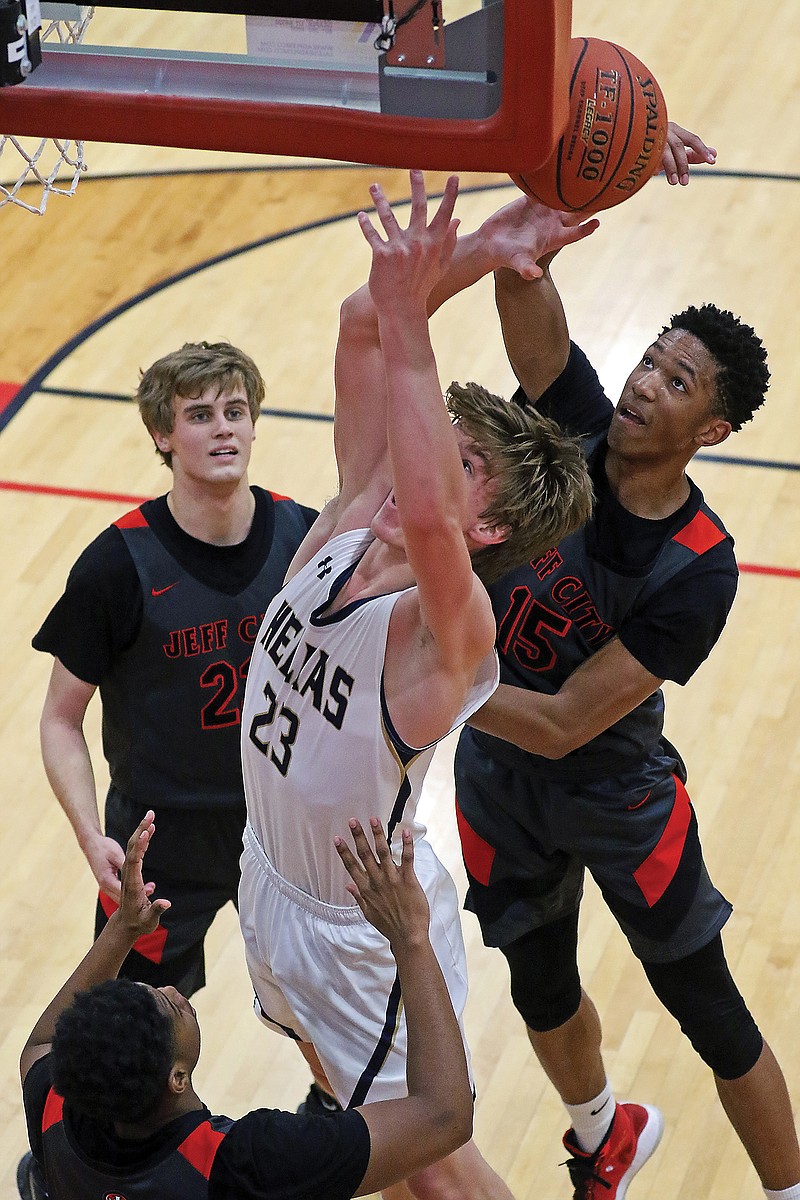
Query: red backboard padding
[79, 96]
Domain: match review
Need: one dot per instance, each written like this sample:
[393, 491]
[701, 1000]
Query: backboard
[487, 91]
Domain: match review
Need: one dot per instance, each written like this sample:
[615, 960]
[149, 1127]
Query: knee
[545, 983]
[730, 1047]
[462, 1175]
[438, 1182]
[700, 993]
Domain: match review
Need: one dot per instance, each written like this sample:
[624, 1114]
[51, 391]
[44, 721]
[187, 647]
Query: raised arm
[136, 915]
[359, 427]
[435, 1117]
[427, 470]
[531, 314]
[515, 237]
[534, 328]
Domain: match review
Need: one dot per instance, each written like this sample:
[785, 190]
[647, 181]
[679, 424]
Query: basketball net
[55, 165]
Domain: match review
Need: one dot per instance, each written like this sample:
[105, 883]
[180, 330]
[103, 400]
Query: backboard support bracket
[418, 37]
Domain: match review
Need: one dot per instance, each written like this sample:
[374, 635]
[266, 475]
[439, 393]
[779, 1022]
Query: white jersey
[317, 742]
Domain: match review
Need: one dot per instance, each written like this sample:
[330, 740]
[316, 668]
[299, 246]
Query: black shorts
[194, 863]
[526, 842]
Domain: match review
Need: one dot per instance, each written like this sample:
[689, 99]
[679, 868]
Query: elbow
[464, 1131]
[455, 1124]
[552, 743]
[357, 314]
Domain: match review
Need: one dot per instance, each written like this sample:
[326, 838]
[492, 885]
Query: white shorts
[323, 974]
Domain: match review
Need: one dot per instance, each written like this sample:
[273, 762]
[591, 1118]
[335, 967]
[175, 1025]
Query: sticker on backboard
[313, 45]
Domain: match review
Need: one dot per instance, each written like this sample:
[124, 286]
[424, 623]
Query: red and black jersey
[164, 624]
[264, 1155]
[182, 1174]
[664, 587]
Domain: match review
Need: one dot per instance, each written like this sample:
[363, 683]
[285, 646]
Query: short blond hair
[541, 488]
[188, 372]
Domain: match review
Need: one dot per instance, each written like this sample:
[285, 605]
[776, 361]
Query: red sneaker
[631, 1139]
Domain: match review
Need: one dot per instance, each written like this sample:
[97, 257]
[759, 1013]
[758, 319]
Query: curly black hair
[112, 1052]
[742, 375]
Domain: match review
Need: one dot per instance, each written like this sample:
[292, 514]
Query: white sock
[790, 1193]
[591, 1120]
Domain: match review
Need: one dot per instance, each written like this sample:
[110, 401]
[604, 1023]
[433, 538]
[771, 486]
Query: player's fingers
[526, 267]
[137, 843]
[353, 868]
[407, 856]
[382, 850]
[419, 200]
[444, 213]
[706, 154]
[363, 848]
[584, 230]
[681, 162]
[369, 231]
[694, 146]
[384, 210]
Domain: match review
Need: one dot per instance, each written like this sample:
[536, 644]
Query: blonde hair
[188, 372]
[541, 488]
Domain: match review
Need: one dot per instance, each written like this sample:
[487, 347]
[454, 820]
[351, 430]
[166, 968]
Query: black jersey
[663, 587]
[164, 624]
[265, 1155]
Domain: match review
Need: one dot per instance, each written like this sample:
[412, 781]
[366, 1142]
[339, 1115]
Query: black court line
[36, 381]
[732, 460]
[121, 398]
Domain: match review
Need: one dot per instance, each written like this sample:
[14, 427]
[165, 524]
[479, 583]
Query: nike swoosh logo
[633, 807]
[595, 1111]
[160, 591]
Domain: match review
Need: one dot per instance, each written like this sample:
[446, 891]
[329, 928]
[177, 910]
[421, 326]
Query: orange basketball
[614, 139]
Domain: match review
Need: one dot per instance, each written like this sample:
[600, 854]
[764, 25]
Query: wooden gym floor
[138, 262]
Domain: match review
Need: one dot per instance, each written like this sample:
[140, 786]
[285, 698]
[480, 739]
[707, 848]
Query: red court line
[757, 569]
[42, 489]
[7, 393]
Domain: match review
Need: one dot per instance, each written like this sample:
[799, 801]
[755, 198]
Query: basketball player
[380, 643]
[107, 1070]
[566, 768]
[160, 613]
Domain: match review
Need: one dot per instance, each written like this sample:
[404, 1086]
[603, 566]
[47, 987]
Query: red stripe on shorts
[478, 854]
[149, 945]
[658, 870]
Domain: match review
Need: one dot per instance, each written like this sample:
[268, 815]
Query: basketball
[615, 135]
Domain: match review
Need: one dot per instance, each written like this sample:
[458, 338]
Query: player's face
[212, 437]
[185, 1027]
[666, 406]
[386, 524]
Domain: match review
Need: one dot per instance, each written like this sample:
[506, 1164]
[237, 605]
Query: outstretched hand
[389, 896]
[523, 232]
[682, 150]
[136, 909]
[106, 858]
[410, 262]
